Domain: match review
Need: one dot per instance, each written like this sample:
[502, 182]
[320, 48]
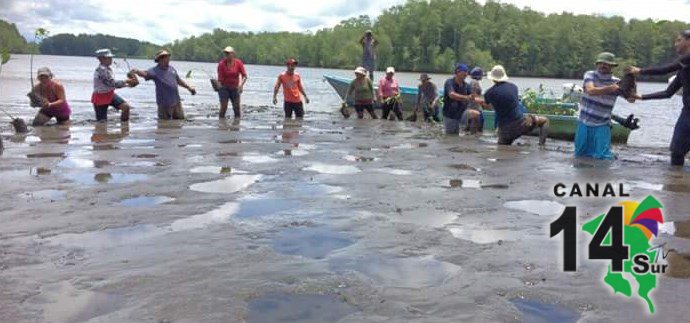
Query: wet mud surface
[325, 220]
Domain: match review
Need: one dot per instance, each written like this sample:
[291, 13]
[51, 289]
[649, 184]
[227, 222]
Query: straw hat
[360, 70]
[498, 74]
[160, 54]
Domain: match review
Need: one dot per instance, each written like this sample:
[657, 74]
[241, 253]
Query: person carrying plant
[427, 98]
[167, 80]
[54, 103]
[389, 95]
[503, 98]
[104, 86]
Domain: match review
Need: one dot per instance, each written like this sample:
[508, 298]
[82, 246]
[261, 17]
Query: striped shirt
[595, 110]
[103, 81]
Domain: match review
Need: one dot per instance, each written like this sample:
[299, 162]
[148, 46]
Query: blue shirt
[166, 79]
[595, 110]
[453, 109]
[504, 98]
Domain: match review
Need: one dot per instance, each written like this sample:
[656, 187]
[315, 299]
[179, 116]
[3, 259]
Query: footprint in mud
[533, 311]
[285, 307]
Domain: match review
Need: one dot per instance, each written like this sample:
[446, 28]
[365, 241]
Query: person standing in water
[456, 95]
[292, 91]
[369, 44]
[680, 144]
[476, 75]
[232, 77]
[55, 103]
[389, 95]
[362, 88]
[427, 98]
[104, 86]
[167, 80]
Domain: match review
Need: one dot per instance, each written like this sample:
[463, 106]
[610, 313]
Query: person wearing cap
[427, 98]
[292, 91]
[167, 80]
[388, 94]
[54, 103]
[680, 144]
[369, 44]
[593, 133]
[232, 77]
[456, 96]
[362, 88]
[104, 86]
[512, 122]
[476, 75]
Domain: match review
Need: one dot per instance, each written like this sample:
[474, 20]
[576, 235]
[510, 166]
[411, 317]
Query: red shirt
[230, 76]
[291, 85]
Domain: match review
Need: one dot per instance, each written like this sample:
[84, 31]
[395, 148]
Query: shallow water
[533, 311]
[297, 308]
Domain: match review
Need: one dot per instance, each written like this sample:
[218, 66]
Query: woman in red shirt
[232, 76]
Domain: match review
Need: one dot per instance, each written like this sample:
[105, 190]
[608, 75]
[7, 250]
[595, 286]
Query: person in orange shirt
[292, 90]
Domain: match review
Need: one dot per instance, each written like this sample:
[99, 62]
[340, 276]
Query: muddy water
[362, 221]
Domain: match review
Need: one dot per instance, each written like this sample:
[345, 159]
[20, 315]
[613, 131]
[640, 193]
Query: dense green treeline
[11, 40]
[428, 36]
[86, 45]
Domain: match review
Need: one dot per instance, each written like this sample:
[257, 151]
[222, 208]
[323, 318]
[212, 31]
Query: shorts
[102, 110]
[452, 126]
[514, 130]
[593, 141]
[173, 112]
[297, 107]
[60, 114]
[225, 93]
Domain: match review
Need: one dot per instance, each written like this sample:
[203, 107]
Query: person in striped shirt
[593, 134]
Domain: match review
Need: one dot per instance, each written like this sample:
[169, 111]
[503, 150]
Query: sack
[215, 84]
[628, 86]
[344, 111]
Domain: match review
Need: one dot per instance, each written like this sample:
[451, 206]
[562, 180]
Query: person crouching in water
[292, 91]
[104, 86]
[167, 80]
[427, 98]
[54, 103]
[503, 98]
[389, 95]
[593, 134]
[363, 90]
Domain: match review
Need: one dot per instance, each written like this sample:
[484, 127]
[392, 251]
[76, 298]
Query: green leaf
[5, 56]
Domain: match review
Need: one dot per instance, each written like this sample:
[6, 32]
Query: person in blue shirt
[512, 122]
[456, 95]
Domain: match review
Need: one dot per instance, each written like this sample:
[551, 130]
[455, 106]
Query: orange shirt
[291, 85]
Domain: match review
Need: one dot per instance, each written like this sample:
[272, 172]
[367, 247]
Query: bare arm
[184, 84]
[301, 90]
[60, 92]
[276, 87]
[593, 90]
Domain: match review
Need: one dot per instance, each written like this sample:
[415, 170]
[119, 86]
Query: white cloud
[166, 20]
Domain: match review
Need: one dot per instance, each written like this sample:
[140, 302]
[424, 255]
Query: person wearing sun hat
[54, 103]
[593, 133]
[362, 89]
[456, 96]
[427, 98]
[512, 122]
[232, 76]
[389, 95]
[167, 80]
[292, 91]
[104, 86]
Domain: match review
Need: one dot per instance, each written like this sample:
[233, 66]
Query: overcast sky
[162, 21]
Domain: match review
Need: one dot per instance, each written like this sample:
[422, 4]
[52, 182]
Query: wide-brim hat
[104, 52]
[228, 49]
[361, 70]
[498, 74]
[607, 58]
[424, 76]
[160, 54]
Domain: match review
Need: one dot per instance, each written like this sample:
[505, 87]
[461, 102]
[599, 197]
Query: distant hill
[86, 45]
[11, 39]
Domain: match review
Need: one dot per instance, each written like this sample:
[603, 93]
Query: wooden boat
[561, 127]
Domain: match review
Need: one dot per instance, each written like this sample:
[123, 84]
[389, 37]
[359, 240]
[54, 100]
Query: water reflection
[104, 140]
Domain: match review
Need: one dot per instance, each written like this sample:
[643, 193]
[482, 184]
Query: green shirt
[364, 91]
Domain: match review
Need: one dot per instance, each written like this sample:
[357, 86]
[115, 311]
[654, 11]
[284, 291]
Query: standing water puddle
[230, 184]
[537, 312]
[146, 201]
[102, 178]
[211, 170]
[314, 243]
[465, 183]
[418, 272]
[333, 169]
[258, 159]
[536, 207]
[482, 236]
[393, 171]
[63, 302]
[50, 195]
[265, 206]
[298, 308]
